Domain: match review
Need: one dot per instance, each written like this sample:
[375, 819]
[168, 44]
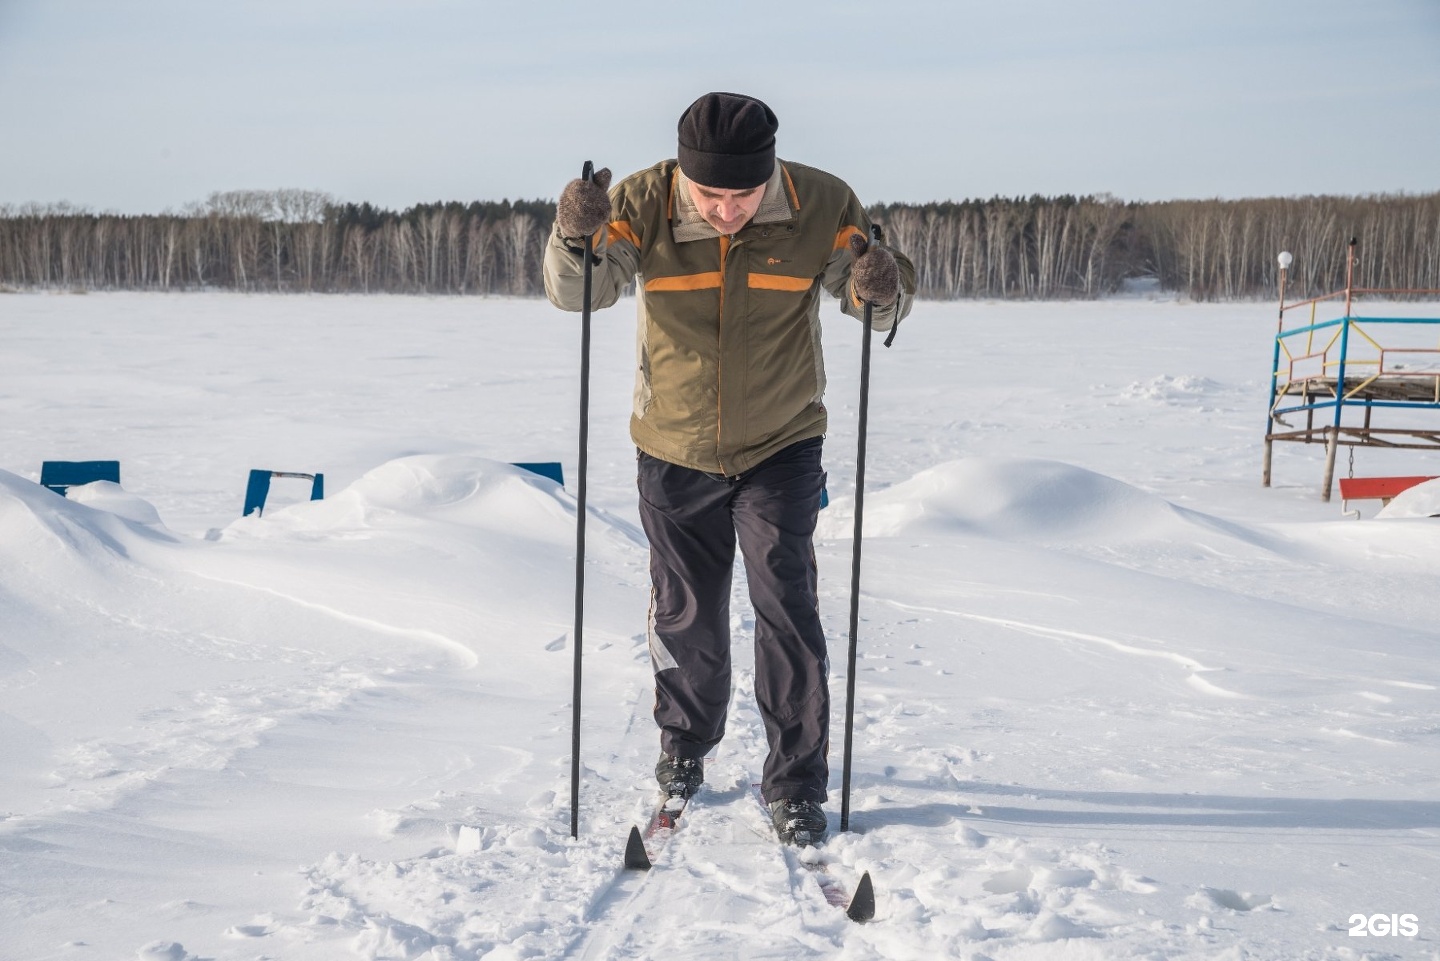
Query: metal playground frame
[1338, 373]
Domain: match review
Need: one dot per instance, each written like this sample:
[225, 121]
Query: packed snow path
[1115, 700]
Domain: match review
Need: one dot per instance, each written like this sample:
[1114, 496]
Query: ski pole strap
[894, 327]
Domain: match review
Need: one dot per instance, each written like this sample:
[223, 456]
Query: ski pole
[855, 554]
[587, 174]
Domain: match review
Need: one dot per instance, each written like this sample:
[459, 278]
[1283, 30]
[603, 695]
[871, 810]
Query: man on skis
[730, 249]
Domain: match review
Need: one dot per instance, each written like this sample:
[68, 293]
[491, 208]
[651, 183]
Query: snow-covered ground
[1115, 699]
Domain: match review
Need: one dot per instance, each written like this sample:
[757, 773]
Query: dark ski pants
[694, 520]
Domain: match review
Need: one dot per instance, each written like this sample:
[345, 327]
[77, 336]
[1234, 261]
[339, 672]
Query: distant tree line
[1021, 248]
[1084, 247]
[285, 240]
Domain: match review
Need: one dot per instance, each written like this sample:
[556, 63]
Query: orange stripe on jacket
[794, 197]
[705, 281]
[620, 230]
[843, 237]
[781, 282]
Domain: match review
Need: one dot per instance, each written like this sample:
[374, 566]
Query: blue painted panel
[550, 469]
[61, 475]
[258, 488]
[256, 491]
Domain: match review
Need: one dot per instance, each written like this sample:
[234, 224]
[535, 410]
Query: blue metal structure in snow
[258, 489]
[1337, 373]
[550, 469]
[61, 475]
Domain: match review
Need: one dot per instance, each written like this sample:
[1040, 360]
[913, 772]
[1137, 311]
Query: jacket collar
[687, 224]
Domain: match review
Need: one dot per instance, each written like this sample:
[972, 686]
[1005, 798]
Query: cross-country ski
[859, 905]
[641, 846]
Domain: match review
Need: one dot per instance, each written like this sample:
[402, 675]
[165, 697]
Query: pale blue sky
[142, 105]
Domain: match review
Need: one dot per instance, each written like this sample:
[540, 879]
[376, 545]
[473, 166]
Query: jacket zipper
[719, 354]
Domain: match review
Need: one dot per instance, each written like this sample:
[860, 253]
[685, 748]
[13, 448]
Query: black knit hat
[727, 140]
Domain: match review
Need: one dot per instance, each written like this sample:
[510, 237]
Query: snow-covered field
[1116, 700]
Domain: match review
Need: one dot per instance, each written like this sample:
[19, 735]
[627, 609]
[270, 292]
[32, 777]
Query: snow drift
[1422, 500]
[1029, 500]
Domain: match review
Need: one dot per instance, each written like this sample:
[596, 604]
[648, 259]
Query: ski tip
[862, 905]
[635, 857]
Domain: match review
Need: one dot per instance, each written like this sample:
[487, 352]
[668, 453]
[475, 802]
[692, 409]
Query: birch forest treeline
[1020, 248]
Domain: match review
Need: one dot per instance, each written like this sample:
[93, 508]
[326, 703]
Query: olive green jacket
[729, 368]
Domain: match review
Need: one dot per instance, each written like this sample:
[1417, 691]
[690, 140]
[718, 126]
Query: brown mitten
[584, 206]
[875, 277]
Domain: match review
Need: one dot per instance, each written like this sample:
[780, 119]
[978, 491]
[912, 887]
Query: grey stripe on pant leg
[660, 657]
[686, 516]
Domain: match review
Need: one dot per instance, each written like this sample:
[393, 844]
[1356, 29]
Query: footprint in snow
[165, 951]
[248, 931]
[1230, 900]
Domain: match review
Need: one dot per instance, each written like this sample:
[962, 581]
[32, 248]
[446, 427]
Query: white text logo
[1384, 925]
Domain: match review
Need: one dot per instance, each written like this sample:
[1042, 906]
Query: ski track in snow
[1113, 699]
[1193, 666]
[465, 656]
